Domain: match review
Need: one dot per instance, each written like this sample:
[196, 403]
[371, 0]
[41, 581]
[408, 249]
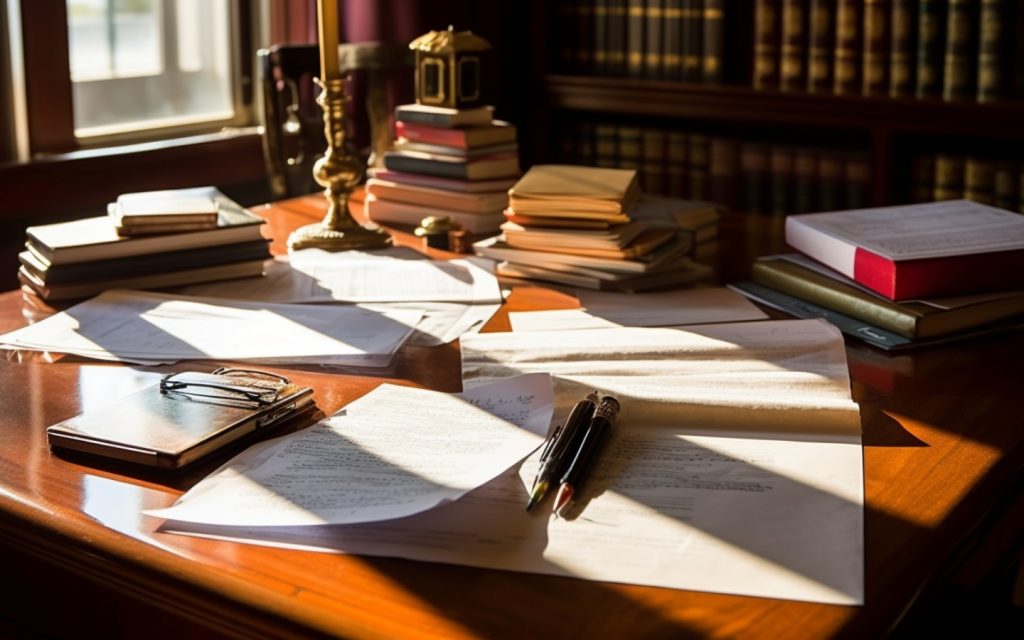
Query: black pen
[594, 437]
[560, 448]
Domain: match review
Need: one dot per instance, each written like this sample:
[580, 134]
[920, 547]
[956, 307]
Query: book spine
[958, 69]
[876, 47]
[780, 162]
[654, 175]
[922, 181]
[630, 141]
[858, 181]
[664, 19]
[792, 70]
[635, 25]
[585, 17]
[901, 54]
[676, 148]
[653, 24]
[830, 182]
[754, 170]
[930, 38]
[692, 30]
[864, 308]
[713, 41]
[424, 166]
[766, 44]
[432, 135]
[1005, 186]
[979, 180]
[847, 71]
[602, 37]
[565, 18]
[990, 50]
[949, 177]
[948, 275]
[606, 145]
[725, 167]
[586, 147]
[617, 40]
[805, 171]
[698, 165]
[820, 45]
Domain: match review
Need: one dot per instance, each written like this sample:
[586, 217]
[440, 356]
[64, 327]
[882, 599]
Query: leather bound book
[876, 48]
[713, 41]
[821, 35]
[767, 29]
[959, 64]
[901, 50]
[931, 38]
[847, 75]
[792, 59]
[990, 50]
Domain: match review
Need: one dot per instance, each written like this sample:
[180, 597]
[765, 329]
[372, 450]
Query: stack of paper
[149, 328]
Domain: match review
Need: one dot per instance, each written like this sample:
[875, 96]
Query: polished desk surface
[943, 446]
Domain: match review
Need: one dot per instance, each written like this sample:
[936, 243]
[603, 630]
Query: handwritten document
[735, 467]
[135, 326]
[392, 453]
[604, 309]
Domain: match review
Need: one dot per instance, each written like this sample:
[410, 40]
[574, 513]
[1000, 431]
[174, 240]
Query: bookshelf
[900, 137]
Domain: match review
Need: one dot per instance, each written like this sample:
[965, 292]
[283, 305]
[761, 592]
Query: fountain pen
[561, 447]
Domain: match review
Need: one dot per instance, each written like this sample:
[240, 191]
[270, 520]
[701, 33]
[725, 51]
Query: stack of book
[139, 246]
[572, 225]
[900, 276]
[454, 163]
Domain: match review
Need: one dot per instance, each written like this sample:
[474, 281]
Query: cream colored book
[555, 190]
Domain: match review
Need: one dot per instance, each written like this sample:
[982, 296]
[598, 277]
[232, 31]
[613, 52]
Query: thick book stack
[454, 163]
[900, 276]
[82, 258]
[572, 225]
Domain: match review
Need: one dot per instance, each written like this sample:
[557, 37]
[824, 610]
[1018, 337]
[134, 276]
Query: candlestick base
[336, 232]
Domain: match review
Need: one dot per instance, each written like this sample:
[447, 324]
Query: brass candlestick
[338, 172]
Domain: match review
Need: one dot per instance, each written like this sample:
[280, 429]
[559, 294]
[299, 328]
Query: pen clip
[546, 451]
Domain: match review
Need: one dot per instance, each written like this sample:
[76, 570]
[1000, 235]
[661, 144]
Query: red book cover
[495, 133]
[911, 251]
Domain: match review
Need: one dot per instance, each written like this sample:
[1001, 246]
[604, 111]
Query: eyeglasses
[246, 386]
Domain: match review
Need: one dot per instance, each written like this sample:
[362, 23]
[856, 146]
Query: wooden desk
[943, 449]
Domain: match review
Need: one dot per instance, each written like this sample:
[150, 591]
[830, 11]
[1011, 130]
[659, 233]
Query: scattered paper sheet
[735, 467]
[455, 297]
[136, 326]
[397, 274]
[603, 310]
[394, 452]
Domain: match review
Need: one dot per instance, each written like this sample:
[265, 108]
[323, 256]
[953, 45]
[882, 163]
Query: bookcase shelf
[768, 137]
[731, 103]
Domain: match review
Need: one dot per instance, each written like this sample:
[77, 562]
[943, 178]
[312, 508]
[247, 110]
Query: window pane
[140, 64]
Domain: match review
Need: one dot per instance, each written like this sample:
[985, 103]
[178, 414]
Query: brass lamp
[337, 171]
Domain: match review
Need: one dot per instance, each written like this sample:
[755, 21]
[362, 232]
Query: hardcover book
[384, 211]
[933, 249]
[559, 189]
[97, 238]
[801, 278]
[497, 132]
[431, 164]
[485, 202]
[444, 116]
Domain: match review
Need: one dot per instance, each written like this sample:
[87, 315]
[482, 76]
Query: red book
[904, 252]
[495, 133]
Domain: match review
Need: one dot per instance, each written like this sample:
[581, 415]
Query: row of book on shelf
[751, 176]
[659, 39]
[902, 276]
[948, 176]
[949, 49]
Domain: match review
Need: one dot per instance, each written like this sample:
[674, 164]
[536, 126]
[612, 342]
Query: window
[147, 64]
[107, 72]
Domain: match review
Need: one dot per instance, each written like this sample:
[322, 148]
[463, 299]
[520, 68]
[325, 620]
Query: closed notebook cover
[172, 429]
[608, 189]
